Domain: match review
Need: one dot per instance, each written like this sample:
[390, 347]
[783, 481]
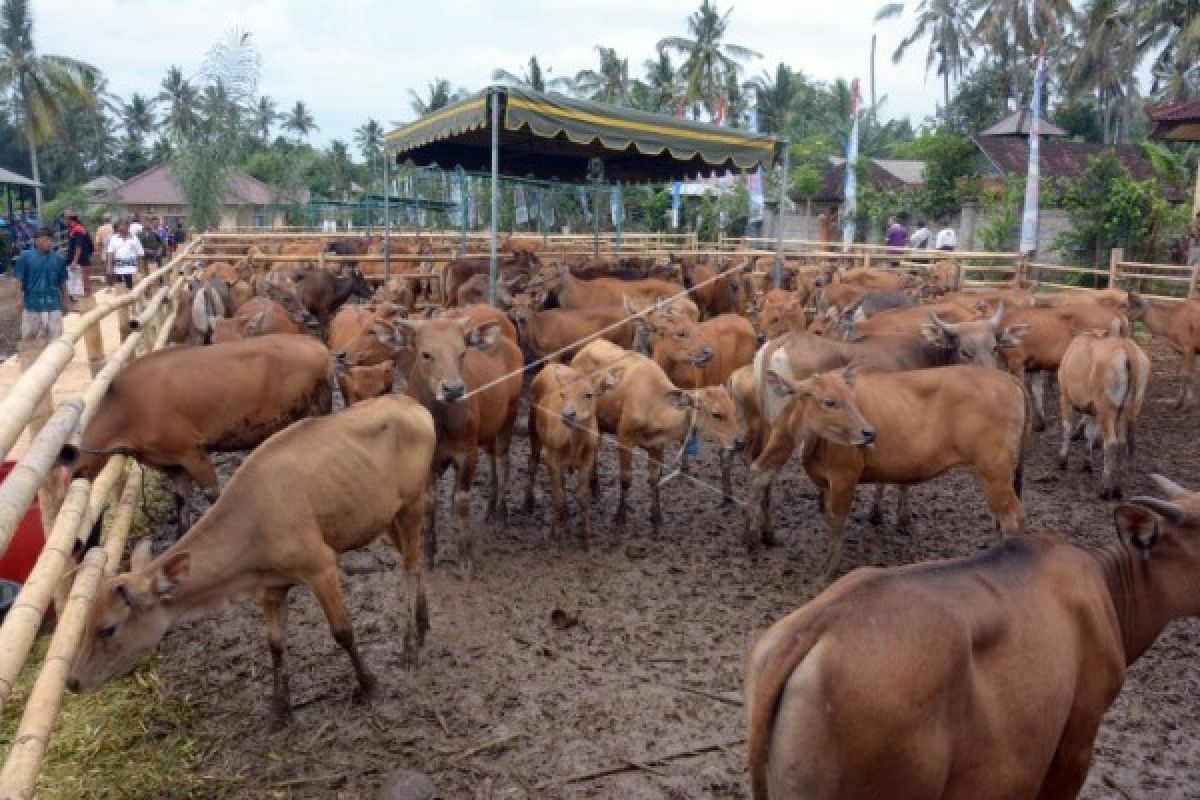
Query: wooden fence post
[1114, 266]
[93, 337]
[1194, 286]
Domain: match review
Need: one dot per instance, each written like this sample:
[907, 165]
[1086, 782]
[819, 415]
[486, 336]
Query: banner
[755, 180]
[617, 206]
[583, 205]
[1029, 219]
[519, 207]
[850, 192]
[676, 191]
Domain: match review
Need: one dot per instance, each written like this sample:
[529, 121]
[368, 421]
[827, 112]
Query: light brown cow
[907, 321]
[712, 295]
[363, 383]
[696, 354]
[564, 433]
[648, 411]
[574, 293]
[319, 488]
[986, 301]
[903, 428]
[469, 377]
[878, 280]
[780, 312]
[1112, 299]
[1103, 376]
[980, 678]
[1179, 324]
[562, 333]
[480, 315]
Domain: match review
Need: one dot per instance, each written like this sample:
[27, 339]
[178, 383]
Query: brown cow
[322, 293]
[903, 428]
[1103, 376]
[1112, 299]
[573, 293]
[906, 321]
[470, 379]
[563, 431]
[482, 314]
[319, 488]
[879, 280]
[205, 399]
[780, 312]
[646, 410]
[352, 335]
[712, 295]
[363, 383]
[561, 333]
[1179, 324]
[696, 354]
[977, 678]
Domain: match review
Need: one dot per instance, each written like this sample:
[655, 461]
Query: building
[1178, 122]
[98, 189]
[250, 204]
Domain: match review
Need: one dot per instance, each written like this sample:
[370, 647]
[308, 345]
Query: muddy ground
[646, 687]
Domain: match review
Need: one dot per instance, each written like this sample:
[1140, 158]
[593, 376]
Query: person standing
[80, 249]
[135, 225]
[946, 239]
[921, 236]
[103, 233]
[897, 234]
[42, 274]
[124, 254]
[152, 245]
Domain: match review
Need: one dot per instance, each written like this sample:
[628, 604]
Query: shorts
[41, 324]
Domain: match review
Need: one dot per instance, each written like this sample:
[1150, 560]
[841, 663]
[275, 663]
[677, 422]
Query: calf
[1103, 376]
[563, 333]
[780, 312]
[1179, 324]
[903, 427]
[695, 354]
[317, 489]
[648, 411]
[363, 383]
[563, 431]
[469, 377]
[894, 683]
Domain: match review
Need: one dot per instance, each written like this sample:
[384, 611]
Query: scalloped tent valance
[555, 137]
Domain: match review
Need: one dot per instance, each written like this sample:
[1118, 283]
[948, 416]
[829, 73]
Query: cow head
[367, 348]
[1166, 533]
[714, 414]
[680, 342]
[437, 348]
[575, 398]
[825, 408]
[972, 342]
[361, 383]
[131, 615]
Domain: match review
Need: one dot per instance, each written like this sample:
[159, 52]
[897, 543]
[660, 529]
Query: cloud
[355, 59]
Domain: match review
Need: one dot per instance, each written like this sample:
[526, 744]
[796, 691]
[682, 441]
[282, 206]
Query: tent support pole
[783, 187]
[596, 218]
[387, 217]
[492, 266]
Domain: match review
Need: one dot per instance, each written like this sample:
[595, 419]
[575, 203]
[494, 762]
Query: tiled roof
[1058, 159]
[1017, 124]
[157, 187]
[13, 179]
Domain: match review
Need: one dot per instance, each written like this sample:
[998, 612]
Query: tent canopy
[13, 179]
[555, 137]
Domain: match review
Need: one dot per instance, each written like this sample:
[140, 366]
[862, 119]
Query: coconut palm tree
[38, 84]
[659, 89]
[138, 118]
[1173, 26]
[299, 121]
[776, 97]
[1104, 64]
[440, 94]
[262, 117]
[947, 25]
[534, 77]
[610, 83]
[707, 58]
[1014, 30]
[340, 166]
[180, 97]
[369, 138]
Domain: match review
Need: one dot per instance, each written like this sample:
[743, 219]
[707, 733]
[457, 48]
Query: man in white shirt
[135, 227]
[124, 253]
[921, 236]
[946, 239]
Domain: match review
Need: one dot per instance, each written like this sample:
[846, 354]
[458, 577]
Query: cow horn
[1167, 486]
[1164, 508]
[948, 327]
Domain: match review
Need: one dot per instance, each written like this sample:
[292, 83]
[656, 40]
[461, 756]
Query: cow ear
[1013, 335]
[398, 335]
[610, 379]
[934, 335]
[1138, 527]
[484, 336]
[680, 398]
[142, 554]
[850, 375]
[173, 570]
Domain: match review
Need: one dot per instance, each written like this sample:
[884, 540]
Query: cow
[563, 433]
[322, 293]
[169, 409]
[903, 428]
[476, 289]
[469, 377]
[715, 295]
[985, 301]
[1112, 299]
[396, 291]
[696, 354]
[648, 411]
[1103, 375]
[906, 321]
[572, 293]
[559, 333]
[362, 383]
[879, 280]
[460, 271]
[482, 314]
[199, 304]
[313, 490]
[1179, 324]
[779, 312]
[353, 339]
[967, 679]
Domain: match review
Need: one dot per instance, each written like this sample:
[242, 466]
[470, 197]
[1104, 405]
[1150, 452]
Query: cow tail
[1026, 440]
[1124, 399]
[776, 671]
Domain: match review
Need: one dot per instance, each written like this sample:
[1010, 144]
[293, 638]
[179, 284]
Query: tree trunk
[33, 166]
[946, 94]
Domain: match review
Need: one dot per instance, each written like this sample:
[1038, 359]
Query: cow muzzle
[569, 416]
[453, 390]
[703, 357]
[868, 439]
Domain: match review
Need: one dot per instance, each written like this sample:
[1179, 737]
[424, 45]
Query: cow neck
[219, 559]
[1142, 610]
[1158, 319]
[448, 418]
[343, 287]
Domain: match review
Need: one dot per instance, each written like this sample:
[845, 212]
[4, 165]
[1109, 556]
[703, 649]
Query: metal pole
[494, 97]
[387, 216]
[462, 210]
[783, 185]
[596, 218]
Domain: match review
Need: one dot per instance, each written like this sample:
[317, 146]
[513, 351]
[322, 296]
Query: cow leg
[431, 504]
[535, 448]
[464, 475]
[583, 495]
[904, 522]
[405, 533]
[654, 468]
[625, 461]
[1069, 768]
[1065, 413]
[1037, 391]
[558, 497]
[500, 465]
[841, 498]
[1185, 376]
[997, 480]
[275, 608]
[328, 589]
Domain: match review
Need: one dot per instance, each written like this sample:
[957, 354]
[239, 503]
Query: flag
[719, 118]
[547, 204]
[755, 181]
[535, 204]
[1029, 220]
[850, 192]
[676, 192]
[583, 205]
[520, 210]
[617, 208]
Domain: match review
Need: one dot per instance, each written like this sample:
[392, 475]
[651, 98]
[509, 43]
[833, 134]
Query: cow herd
[862, 375]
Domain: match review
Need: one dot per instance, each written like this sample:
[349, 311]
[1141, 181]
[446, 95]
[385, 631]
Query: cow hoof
[281, 717]
[769, 539]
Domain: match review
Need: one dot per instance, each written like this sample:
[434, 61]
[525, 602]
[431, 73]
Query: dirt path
[10, 318]
[508, 705]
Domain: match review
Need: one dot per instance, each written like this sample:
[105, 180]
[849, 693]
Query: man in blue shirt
[43, 295]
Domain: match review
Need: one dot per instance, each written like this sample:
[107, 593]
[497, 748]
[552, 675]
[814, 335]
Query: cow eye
[965, 354]
[829, 402]
[106, 632]
[589, 395]
[681, 335]
[428, 356]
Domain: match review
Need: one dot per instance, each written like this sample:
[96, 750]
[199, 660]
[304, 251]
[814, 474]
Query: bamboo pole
[118, 529]
[1114, 266]
[19, 488]
[19, 776]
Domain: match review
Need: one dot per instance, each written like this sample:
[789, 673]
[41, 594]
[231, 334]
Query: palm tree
[180, 97]
[609, 84]
[1015, 29]
[947, 24]
[339, 167]
[776, 97]
[369, 138]
[1104, 65]
[660, 85]
[1174, 26]
[707, 59]
[138, 118]
[262, 117]
[441, 94]
[299, 121]
[533, 77]
[40, 85]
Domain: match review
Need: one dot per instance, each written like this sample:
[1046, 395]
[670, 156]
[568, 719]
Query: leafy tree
[950, 171]
[659, 90]
[40, 85]
[1104, 65]
[947, 25]
[707, 58]
[1081, 120]
[776, 97]
[1002, 210]
[340, 167]
[1173, 26]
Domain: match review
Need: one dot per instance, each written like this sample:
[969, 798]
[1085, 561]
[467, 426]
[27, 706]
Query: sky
[351, 60]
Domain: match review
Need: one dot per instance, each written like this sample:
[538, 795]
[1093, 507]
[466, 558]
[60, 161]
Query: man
[103, 233]
[79, 256]
[152, 245]
[897, 234]
[124, 253]
[135, 225]
[946, 239]
[921, 236]
[43, 291]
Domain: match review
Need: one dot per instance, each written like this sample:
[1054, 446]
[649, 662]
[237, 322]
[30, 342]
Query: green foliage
[74, 198]
[1002, 210]
[1081, 120]
[656, 209]
[950, 171]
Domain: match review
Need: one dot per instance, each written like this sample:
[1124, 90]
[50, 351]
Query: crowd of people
[921, 238]
[56, 268]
